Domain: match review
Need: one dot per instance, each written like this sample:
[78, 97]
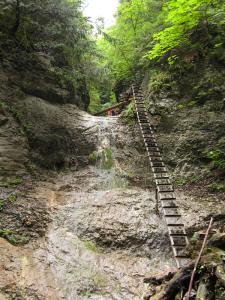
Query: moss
[182, 181]
[96, 283]
[217, 187]
[11, 182]
[107, 159]
[186, 104]
[93, 157]
[12, 198]
[99, 280]
[13, 238]
[89, 245]
[2, 203]
[180, 106]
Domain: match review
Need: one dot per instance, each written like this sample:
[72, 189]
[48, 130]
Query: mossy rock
[93, 157]
[107, 162]
[89, 245]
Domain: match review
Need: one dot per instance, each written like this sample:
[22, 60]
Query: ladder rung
[151, 154]
[164, 191]
[163, 183]
[175, 225]
[156, 170]
[167, 196]
[172, 215]
[149, 140]
[182, 256]
[158, 164]
[178, 234]
[150, 136]
[155, 159]
[159, 186]
[155, 148]
[161, 175]
[179, 245]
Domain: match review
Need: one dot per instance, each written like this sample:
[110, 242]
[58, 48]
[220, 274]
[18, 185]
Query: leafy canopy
[181, 17]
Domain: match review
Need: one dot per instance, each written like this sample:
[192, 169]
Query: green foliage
[13, 238]
[217, 187]
[217, 157]
[187, 104]
[186, 180]
[129, 113]
[159, 80]
[124, 44]
[95, 101]
[169, 23]
[181, 17]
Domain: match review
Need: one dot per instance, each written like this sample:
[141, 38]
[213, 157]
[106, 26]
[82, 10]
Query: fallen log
[111, 107]
[177, 283]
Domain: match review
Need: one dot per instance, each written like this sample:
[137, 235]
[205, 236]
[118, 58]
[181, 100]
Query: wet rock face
[120, 220]
[13, 144]
[102, 242]
[189, 116]
[55, 133]
[24, 213]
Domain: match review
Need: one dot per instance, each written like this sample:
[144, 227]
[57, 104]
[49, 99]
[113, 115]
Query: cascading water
[105, 154]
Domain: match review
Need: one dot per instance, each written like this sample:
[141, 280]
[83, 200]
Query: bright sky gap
[106, 9]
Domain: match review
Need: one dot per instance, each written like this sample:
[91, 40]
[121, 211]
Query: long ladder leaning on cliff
[164, 188]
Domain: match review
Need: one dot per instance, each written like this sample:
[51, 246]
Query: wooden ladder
[165, 193]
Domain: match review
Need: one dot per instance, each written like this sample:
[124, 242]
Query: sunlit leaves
[135, 24]
[181, 17]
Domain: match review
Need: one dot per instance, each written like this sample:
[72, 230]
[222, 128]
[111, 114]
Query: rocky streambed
[94, 231]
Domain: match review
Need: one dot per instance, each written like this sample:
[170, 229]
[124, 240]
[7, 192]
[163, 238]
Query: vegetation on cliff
[149, 30]
[54, 29]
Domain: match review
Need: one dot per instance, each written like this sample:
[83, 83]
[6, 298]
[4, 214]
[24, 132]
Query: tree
[182, 17]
